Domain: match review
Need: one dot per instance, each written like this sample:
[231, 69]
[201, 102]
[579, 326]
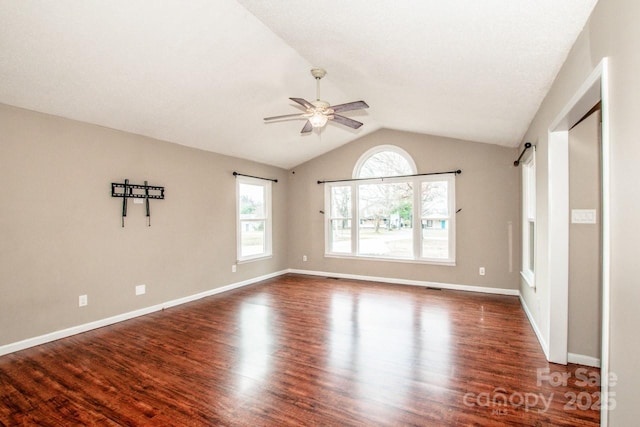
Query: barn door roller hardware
[136, 191]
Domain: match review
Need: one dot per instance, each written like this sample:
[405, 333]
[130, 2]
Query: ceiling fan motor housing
[320, 105]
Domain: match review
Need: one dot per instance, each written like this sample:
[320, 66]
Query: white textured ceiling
[203, 73]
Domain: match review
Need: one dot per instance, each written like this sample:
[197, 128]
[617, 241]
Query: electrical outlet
[481, 271]
[141, 289]
[234, 268]
[83, 300]
[304, 258]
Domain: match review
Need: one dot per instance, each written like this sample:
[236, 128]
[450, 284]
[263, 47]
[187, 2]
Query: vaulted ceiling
[204, 73]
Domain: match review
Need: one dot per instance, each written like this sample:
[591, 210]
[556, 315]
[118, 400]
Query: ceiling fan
[319, 112]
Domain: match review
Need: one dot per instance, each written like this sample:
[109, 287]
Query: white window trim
[378, 149]
[329, 218]
[268, 253]
[417, 207]
[529, 215]
[451, 218]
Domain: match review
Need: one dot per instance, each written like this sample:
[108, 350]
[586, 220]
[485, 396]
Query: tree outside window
[384, 203]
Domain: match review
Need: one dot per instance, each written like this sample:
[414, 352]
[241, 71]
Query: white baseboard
[581, 359]
[452, 286]
[534, 325]
[42, 339]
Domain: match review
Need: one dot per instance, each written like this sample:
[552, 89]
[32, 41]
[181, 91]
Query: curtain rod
[457, 172]
[256, 177]
[527, 145]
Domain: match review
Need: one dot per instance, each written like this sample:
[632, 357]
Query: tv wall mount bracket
[136, 191]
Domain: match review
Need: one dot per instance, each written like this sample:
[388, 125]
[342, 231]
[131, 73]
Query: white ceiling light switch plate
[583, 216]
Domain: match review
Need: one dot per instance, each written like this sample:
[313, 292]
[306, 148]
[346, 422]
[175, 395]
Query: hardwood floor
[299, 350]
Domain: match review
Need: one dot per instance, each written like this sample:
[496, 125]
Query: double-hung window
[340, 218]
[254, 218]
[387, 212]
[529, 218]
[436, 213]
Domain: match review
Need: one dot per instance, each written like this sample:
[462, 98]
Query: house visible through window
[529, 218]
[254, 218]
[399, 217]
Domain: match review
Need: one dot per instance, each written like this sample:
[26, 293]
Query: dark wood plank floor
[299, 350]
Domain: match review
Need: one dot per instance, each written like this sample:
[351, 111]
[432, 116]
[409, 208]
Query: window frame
[450, 178]
[417, 215]
[268, 235]
[357, 169]
[330, 217]
[529, 241]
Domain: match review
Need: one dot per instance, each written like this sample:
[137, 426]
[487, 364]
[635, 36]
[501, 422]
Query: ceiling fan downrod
[318, 73]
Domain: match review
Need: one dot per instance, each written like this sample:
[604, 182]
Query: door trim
[593, 90]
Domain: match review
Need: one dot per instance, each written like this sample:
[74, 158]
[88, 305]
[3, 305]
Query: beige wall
[585, 290]
[613, 31]
[487, 191]
[61, 234]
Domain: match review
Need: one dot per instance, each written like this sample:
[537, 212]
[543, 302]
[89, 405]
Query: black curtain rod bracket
[256, 177]
[527, 145]
[457, 172]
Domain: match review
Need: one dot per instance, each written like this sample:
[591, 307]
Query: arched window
[390, 212]
[384, 161]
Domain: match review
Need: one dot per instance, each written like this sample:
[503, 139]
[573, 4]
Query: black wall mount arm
[136, 191]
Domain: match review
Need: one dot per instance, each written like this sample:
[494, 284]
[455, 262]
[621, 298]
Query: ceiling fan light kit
[318, 120]
[318, 113]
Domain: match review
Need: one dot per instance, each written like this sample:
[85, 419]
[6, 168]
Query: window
[436, 219]
[254, 218]
[400, 217]
[529, 218]
[340, 219]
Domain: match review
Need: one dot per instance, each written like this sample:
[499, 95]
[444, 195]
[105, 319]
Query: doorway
[585, 254]
[592, 91]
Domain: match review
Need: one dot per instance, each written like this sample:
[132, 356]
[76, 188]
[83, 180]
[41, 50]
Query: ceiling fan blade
[357, 105]
[286, 116]
[303, 102]
[346, 121]
[307, 127]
